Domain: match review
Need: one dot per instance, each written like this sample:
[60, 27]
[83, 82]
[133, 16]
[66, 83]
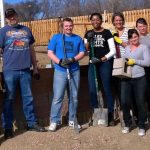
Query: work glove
[116, 37]
[35, 73]
[65, 62]
[36, 76]
[90, 36]
[71, 60]
[117, 40]
[94, 60]
[114, 33]
[130, 61]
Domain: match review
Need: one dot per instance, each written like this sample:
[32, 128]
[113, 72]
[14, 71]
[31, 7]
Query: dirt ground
[90, 138]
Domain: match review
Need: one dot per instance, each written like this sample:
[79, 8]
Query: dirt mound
[91, 138]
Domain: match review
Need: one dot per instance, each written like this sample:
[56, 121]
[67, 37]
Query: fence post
[104, 17]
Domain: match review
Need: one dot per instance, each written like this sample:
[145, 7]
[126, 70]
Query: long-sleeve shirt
[142, 59]
[145, 40]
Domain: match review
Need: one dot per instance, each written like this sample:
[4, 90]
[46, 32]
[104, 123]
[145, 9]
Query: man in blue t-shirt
[65, 50]
[16, 47]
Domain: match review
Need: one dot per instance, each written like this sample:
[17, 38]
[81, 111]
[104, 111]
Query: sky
[13, 1]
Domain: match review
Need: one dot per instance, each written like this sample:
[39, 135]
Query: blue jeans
[12, 78]
[138, 87]
[104, 72]
[59, 85]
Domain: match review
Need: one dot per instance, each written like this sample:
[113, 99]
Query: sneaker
[125, 130]
[141, 132]
[71, 124]
[53, 126]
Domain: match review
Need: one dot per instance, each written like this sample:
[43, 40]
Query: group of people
[103, 45]
[134, 45]
[65, 50]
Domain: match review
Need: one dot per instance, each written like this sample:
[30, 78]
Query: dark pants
[138, 87]
[104, 72]
[147, 72]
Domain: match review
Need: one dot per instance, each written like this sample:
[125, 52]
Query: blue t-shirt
[73, 45]
[15, 42]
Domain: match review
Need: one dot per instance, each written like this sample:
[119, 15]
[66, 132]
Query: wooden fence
[44, 29]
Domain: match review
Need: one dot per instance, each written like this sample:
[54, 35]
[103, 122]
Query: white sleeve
[85, 41]
[112, 48]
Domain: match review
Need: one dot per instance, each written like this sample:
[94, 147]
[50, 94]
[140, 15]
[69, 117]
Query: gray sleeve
[145, 62]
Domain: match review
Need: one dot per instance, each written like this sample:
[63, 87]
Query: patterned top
[124, 38]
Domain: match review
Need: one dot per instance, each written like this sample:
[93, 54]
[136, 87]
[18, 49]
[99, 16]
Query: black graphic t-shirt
[100, 42]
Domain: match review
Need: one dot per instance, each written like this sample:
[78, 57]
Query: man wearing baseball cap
[9, 12]
[16, 46]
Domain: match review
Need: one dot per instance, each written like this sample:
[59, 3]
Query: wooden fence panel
[44, 29]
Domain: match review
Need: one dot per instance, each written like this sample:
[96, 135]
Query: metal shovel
[100, 115]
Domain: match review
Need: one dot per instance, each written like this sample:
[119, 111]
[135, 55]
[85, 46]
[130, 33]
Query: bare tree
[71, 8]
[51, 8]
[39, 9]
[144, 4]
[92, 6]
[27, 10]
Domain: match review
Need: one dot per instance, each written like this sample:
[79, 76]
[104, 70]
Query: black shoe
[36, 128]
[111, 121]
[8, 133]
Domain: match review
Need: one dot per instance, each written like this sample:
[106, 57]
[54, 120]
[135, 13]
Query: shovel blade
[100, 117]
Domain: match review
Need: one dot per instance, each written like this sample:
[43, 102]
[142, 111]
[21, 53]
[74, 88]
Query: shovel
[100, 115]
[76, 129]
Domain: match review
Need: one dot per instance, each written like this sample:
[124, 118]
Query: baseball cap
[9, 12]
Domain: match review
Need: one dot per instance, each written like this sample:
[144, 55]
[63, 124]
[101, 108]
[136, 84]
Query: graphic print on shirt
[69, 46]
[18, 40]
[98, 41]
